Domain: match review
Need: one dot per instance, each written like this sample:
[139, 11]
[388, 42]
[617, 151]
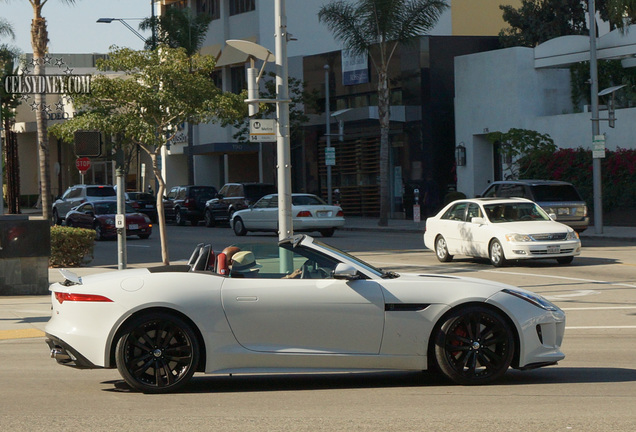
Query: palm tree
[39, 43]
[385, 24]
[6, 29]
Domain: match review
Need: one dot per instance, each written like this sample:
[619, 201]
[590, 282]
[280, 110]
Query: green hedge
[71, 247]
[618, 174]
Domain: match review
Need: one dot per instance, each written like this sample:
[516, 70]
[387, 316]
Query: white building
[530, 89]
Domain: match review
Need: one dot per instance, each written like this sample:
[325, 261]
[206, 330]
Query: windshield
[515, 212]
[546, 193]
[110, 208]
[100, 191]
[376, 271]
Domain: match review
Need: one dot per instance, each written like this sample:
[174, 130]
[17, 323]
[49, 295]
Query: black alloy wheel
[158, 353]
[474, 345]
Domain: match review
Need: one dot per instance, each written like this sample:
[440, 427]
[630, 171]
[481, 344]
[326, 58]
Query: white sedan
[501, 229]
[309, 213]
[158, 326]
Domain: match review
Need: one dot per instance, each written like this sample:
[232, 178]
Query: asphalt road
[593, 389]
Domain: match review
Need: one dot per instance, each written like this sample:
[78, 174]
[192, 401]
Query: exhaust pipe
[60, 355]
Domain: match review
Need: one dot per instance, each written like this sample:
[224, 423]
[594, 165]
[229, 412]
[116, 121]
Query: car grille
[545, 251]
[549, 236]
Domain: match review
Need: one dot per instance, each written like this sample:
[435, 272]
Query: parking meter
[416, 195]
[336, 194]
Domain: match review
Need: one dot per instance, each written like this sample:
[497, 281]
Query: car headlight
[518, 238]
[535, 299]
[572, 235]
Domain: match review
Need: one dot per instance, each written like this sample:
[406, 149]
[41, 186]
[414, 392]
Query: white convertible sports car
[299, 305]
[501, 229]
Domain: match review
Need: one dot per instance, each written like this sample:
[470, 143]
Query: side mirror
[553, 216]
[219, 196]
[478, 220]
[346, 272]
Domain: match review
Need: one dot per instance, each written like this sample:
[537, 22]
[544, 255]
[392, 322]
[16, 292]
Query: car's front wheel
[157, 353]
[497, 257]
[209, 219]
[99, 233]
[474, 345]
[441, 250]
[239, 227]
[55, 218]
[178, 217]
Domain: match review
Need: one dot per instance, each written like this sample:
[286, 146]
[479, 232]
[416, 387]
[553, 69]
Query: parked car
[501, 229]
[143, 202]
[342, 315]
[558, 197]
[100, 216]
[187, 203]
[309, 213]
[234, 197]
[78, 194]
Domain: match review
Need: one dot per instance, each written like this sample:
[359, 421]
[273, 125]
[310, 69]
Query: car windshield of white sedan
[376, 271]
[515, 212]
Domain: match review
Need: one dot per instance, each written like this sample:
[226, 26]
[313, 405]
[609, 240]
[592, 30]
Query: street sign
[263, 130]
[330, 156]
[598, 148]
[83, 164]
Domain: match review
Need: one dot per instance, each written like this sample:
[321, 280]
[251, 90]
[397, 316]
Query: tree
[39, 43]
[8, 103]
[522, 143]
[177, 28]
[386, 24]
[159, 90]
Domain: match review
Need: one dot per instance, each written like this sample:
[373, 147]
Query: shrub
[71, 247]
[618, 174]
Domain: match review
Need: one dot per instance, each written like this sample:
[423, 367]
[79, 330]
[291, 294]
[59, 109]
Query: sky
[73, 28]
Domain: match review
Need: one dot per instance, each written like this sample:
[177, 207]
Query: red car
[100, 216]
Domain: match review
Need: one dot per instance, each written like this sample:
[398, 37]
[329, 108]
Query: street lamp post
[596, 162]
[328, 134]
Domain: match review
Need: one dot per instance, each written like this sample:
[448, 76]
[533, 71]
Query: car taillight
[62, 297]
[304, 213]
[190, 203]
[340, 213]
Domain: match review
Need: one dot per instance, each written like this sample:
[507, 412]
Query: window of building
[217, 79]
[239, 80]
[209, 7]
[241, 6]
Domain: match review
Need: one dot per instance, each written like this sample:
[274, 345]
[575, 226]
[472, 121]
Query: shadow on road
[360, 380]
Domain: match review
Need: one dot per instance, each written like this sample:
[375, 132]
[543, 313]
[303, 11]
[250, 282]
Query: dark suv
[187, 203]
[557, 197]
[233, 197]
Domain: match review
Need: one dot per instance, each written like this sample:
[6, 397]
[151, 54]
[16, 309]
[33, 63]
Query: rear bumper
[66, 355]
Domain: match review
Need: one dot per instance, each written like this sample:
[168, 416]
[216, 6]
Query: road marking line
[599, 308]
[599, 327]
[20, 334]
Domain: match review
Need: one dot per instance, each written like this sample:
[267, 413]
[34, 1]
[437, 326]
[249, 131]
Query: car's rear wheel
[328, 232]
[497, 257]
[157, 353]
[441, 250]
[565, 260]
[239, 227]
[474, 345]
[209, 219]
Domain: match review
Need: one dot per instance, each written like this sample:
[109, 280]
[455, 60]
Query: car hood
[531, 227]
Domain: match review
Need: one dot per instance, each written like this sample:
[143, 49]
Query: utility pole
[596, 162]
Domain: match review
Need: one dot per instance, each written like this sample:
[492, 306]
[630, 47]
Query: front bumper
[536, 250]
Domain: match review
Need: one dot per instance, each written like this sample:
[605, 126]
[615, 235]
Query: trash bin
[25, 248]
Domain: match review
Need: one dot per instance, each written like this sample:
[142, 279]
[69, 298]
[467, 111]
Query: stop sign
[83, 164]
